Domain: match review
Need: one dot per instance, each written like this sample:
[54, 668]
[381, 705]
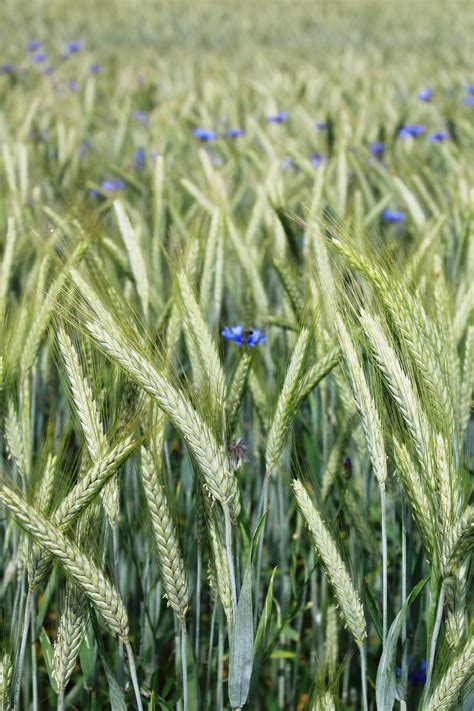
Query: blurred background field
[170, 171]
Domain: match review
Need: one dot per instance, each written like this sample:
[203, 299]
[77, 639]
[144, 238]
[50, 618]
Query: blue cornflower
[39, 57]
[425, 94]
[280, 117]
[72, 84]
[47, 71]
[84, 148]
[411, 130]
[235, 132]
[204, 134]
[317, 159]
[255, 337]
[288, 163]
[141, 117]
[468, 101]
[139, 161]
[321, 125]
[7, 69]
[33, 45]
[251, 337]
[470, 89]
[417, 675]
[377, 148]
[73, 47]
[438, 136]
[348, 464]
[111, 186]
[393, 217]
[95, 68]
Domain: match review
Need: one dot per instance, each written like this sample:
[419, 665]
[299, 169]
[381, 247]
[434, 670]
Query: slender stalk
[133, 674]
[34, 666]
[211, 642]
[263, 506]
[345, 681]
[116, 557]
[383, 504]
[220, 663]
[60, 706]
[184, 666]
[21, 656]
[403, 704]
[177, 655]
[434, 641]
[363, 678]
[230, 561]
[282, 666]
[315, 607]
[198, 603]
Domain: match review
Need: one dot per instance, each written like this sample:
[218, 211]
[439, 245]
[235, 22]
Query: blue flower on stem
[321, 125]
[47, 71]
[84, 148]
[141, 117]
[470, 89]
[40, 57]
[393, 217]
[438, 137]
[204, 134]
[7, 69]
[416, 674]
[288, 163]
[280, 117]
[468, 101]
[73, 47]
[317, 159]
[425, 94]
[411, 130]
[235, 132]
[72, 84]
[377, 148]
[244, 337]
[112, 186]
[139, 161]
[33, 45]
[95, 68]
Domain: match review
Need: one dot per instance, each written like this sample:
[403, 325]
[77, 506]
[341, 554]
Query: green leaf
[86, 657]
[116, 695]
[258, 532]
[46, 599]
[385, 686]
[241, 644]
[261, 638]
[373, 610]
[47, 648]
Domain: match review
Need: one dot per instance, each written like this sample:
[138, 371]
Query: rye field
[236, 355]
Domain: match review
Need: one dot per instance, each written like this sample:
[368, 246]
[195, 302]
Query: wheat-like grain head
[446, 694]
[365, 404]
[171, 561]
[336, 571]
[82, 569]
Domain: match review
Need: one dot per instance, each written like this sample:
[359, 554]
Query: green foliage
[157, 478]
